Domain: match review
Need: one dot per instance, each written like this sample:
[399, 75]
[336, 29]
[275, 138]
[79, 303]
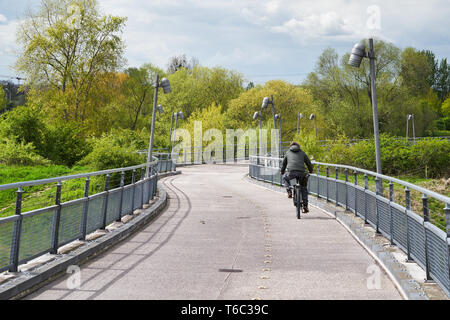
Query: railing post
[142, 192]
[318, 181]
[346, 189]
[366, 186]
[56, 219]
[355, 173]
[328, 175]
[15, 244]
[408, 208]
[377, 192]
[85, 210]
[391, 218]
[447, 224]
[133, 182]
[122, 185]
[105, 202]
[426, 218]
[336, 173]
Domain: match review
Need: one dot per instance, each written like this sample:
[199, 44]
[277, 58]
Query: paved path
[217, 221]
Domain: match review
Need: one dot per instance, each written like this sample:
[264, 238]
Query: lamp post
[265, 104]
[165, 84]
[256, 115]
[299, 116]
[313, 116]
[176, 115]
[410, 117]
[358, 53]
[278, 117]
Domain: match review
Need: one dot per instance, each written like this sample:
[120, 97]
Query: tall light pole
[256, 115]
[358, 53]
[299, 116]
[176, 115]
[265, 104]
[410, 117]
[313, 116]
[278, 117]
[165, 84]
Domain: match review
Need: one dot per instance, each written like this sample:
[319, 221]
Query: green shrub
[434, 154]
[64, 144]
[24, 154]
[117, 149]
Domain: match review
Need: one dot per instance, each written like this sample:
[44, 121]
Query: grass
[42, 196]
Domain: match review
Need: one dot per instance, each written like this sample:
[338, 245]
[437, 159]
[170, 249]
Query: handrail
[427, 192]
[71, 177]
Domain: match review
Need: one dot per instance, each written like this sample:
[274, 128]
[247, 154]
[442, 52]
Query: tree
[138, 89]
[3, 101]
[181, 61]
[65, 47]
[443, 79]
[416, 71]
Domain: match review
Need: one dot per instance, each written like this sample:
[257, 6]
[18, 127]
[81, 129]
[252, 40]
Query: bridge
[225, 232]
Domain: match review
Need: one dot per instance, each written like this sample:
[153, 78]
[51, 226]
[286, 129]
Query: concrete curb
[404, 282]
[30, 281]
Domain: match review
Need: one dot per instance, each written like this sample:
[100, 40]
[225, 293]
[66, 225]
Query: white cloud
[3, 19]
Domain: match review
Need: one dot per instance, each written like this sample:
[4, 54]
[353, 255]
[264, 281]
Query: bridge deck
[217, 220]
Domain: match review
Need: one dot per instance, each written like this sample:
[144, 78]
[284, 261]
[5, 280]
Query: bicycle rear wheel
[298, 204]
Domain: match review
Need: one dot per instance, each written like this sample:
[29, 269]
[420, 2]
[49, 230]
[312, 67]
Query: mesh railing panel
[399, 227]
[417, 239]
[70, 222]
[36, 236]
[138, 197]
[351, 197]
[6, 234]
[95, 213]
[384, 217]
[312, 185]
[438, 257]
[360, 203]
[332, 190]
[112, 212]
[127, 200]
[371, 207]
[322, 187]
[146, 189]
[341, 192]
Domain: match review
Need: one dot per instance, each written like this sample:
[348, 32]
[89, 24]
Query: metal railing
[424, 242]
[25, 236]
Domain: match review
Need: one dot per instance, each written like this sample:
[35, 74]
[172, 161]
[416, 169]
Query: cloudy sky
[262, 39]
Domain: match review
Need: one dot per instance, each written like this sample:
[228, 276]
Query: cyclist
[294, 161]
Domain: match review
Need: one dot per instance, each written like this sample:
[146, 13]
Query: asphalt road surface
[222, 237]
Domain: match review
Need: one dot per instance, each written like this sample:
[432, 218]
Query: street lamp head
[160, 109]
[312, 116]
[256, 115]
[358, 53]
[301, 115]
[165, 84]
[181, 115]
[410, 116]
[277, 117]
[265, 103]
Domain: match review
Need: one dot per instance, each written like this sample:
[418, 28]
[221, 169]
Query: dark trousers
[292, 175]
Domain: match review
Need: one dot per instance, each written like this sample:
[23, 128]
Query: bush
[117, 149]
[64, 144]
[24, 154]
[434, 154]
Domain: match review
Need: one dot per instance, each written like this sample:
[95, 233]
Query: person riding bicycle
[294, 161]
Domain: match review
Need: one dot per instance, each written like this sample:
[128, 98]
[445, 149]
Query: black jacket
[295, 159]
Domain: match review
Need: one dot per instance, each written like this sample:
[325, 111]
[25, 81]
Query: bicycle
[297, 196]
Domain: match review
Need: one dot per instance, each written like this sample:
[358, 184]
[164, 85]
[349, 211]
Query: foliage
[65, 47]
[117, 149]
[64, 144]
[3, 101]
[19, 153]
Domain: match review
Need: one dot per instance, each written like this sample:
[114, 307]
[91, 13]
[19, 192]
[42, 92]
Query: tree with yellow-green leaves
[3, 100]
[64, 48]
